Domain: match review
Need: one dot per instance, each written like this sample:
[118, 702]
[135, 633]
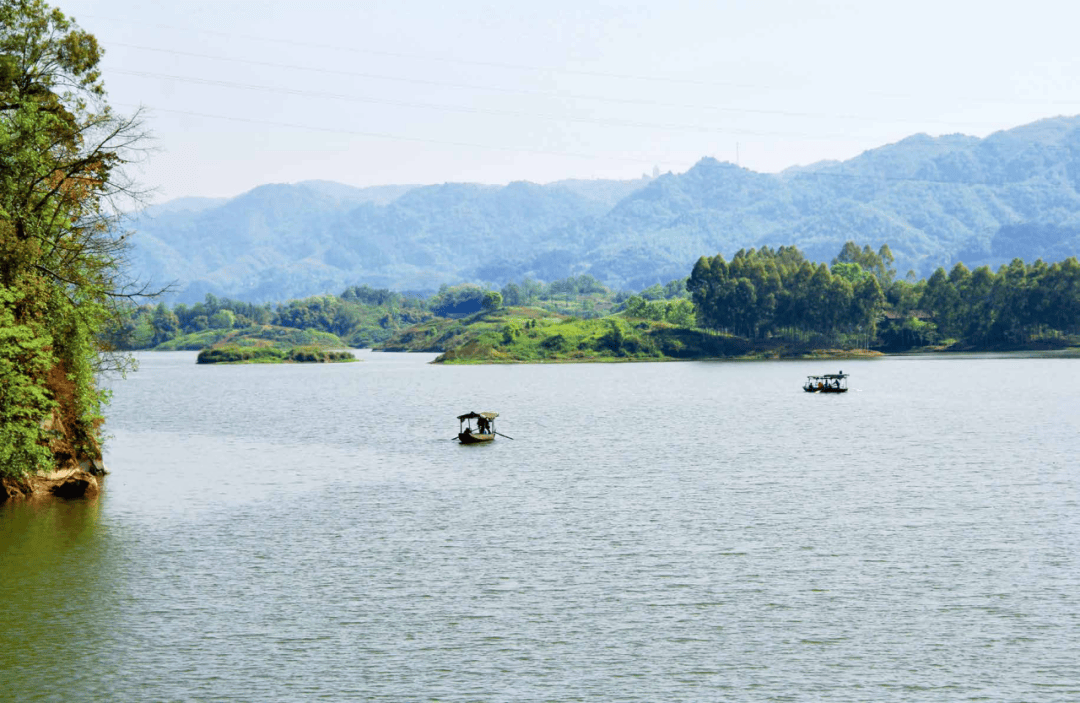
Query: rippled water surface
[653, 532]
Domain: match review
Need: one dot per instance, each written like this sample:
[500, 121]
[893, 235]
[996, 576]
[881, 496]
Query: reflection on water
[698, 531]
[57, 599]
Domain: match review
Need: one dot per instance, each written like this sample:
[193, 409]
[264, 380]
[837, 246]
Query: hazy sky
[414, 91]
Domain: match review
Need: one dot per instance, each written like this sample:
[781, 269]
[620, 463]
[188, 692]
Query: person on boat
[482, 425]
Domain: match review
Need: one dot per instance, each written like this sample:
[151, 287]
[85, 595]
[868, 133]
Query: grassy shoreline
[520, 335]
[807, 356]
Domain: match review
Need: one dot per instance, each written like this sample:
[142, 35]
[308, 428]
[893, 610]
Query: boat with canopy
[485, 427]
[828, 383]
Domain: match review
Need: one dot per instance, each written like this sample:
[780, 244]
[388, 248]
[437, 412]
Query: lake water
[653, 532]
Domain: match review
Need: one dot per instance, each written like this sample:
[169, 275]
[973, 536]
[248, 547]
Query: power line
[398, 137]
[465, 109]
[443, 59]
[440, 59]
[539, 93]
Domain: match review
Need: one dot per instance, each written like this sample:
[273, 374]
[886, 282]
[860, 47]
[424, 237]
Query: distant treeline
[766, 292]
[362, 315]
[855, 301]
[1019, 304]
[858, 301]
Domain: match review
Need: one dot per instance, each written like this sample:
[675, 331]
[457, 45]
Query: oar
[502, 435]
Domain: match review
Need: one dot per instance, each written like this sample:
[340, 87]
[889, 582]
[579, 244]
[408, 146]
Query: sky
[239, 93]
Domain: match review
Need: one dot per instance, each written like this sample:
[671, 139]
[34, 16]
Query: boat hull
[474, 437]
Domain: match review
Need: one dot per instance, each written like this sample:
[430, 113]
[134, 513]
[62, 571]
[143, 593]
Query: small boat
[829, 383]
[485, 428]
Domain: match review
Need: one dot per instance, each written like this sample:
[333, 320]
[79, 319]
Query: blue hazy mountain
[933, 200]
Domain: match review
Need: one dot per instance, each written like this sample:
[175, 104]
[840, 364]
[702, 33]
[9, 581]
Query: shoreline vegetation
[521, 335]
[533, 335]
[762, 304]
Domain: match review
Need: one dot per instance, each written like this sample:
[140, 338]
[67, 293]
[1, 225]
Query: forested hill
[934, 201]
[284, 241]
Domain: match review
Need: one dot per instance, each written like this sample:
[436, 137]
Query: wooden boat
[829, 383]
[485, 427]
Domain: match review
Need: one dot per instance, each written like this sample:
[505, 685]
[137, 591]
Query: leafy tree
[370, 296]
[850, 272]
[672, 289]
[614, 339]
[531, 290]
[767, 292]
[453, 301]
[493, 300]
[223, 320]
[680, 312]
[636, 306]
[512, 294]
[165, 323]
[879, 264]
[63, 152]
[943, 299]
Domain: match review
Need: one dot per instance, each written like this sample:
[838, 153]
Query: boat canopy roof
[832, 375]
[473, 415]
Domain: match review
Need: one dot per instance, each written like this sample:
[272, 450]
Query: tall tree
[62, 182]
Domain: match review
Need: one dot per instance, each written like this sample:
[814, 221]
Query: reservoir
[701, 531]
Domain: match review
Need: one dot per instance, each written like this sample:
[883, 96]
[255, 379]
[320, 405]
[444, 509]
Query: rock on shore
[71, 483]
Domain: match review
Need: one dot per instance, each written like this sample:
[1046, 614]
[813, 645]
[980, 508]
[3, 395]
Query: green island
[235, 354]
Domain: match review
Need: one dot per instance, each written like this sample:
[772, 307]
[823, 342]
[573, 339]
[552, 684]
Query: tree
[879, 264]
[512, 294]
[223, 320]
[850, 272]
[636, 306]
[458, 301]
[493, 300]
[166, 324]
[62, 182]
[680, 312]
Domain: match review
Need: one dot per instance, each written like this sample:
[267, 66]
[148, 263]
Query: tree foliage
[62, 158]
[1017, 304]
[768, 291]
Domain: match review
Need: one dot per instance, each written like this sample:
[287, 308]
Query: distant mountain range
[934, 201]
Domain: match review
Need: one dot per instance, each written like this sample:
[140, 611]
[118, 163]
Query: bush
[316, 355]
[555, 343]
